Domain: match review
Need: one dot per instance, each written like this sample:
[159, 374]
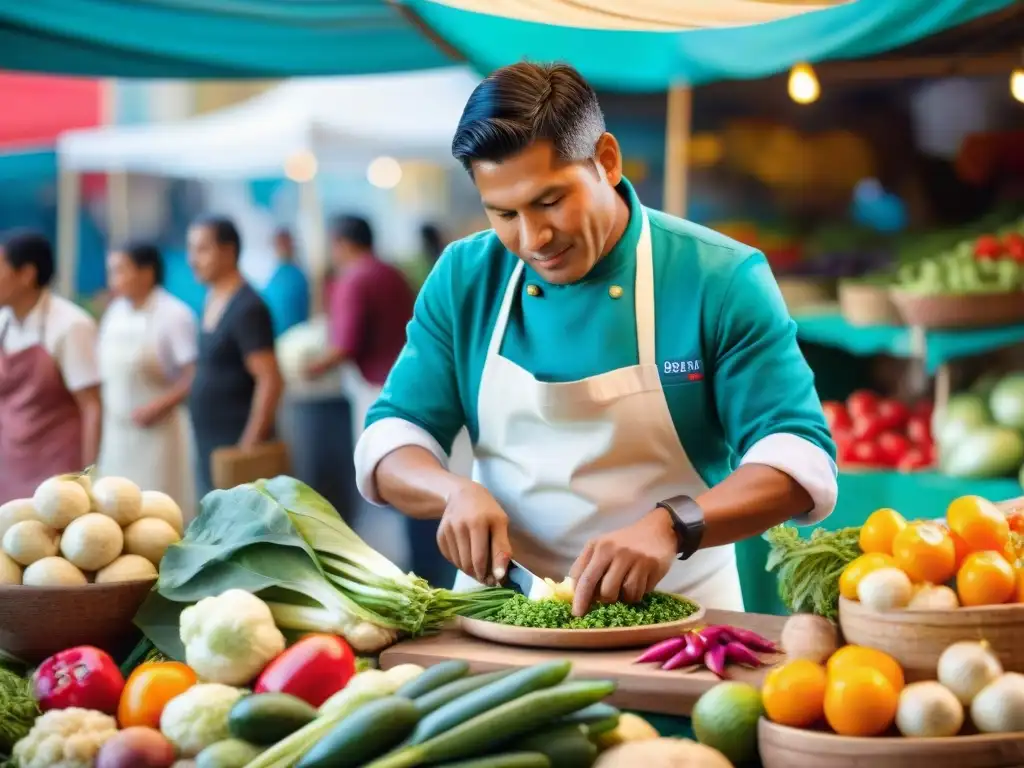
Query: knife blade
[529, 583]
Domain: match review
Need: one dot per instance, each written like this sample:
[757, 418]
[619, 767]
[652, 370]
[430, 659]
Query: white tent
[343, 122]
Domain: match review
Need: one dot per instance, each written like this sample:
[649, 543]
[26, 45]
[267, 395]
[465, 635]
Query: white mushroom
[53, 572]
[29, 541]
[127, 568]
[150, 538]
[118, 498]
[92, 542]
[14, 512]
[59, 500]
[10, 571]
[161, 506]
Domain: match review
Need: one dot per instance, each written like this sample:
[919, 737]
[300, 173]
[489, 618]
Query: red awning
[38, 107]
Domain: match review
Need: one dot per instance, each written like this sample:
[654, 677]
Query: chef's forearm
[412, 480]
[177, 393]
[751, 500]
[91, 410]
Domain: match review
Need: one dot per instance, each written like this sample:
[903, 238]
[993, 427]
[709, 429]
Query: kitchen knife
[528, 582]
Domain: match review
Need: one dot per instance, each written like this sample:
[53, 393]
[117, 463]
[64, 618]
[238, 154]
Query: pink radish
[753, 640]
[740, 654]
[662, 651]
[714, 660]
[691, 654]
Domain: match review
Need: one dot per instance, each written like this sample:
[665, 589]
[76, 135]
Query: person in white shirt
[147, 351]
[50, 406]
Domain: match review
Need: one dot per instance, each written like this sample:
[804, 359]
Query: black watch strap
[687, 522]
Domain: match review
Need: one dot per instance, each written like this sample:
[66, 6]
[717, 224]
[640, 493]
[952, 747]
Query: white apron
[569, 461]
[158, 458]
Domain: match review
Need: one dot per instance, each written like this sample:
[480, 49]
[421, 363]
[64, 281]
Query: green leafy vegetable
[656, 608]
[18, 710]
[808, 569]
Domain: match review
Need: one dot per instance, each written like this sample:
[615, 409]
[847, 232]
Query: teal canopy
[272, 38]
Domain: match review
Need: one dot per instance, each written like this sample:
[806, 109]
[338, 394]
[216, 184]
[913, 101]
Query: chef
[50, 407]
[631, 381]
[147, 354]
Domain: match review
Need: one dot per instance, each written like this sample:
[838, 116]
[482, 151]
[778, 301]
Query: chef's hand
[317, 369]
[625, 564]
[147, 415]
[473, 534]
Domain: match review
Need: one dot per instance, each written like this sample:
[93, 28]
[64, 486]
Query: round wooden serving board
[783, 747]
[578, 639]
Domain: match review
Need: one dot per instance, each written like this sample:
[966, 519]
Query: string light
[1017, 84]
[301, 167]
[384, 172]
[803, 84]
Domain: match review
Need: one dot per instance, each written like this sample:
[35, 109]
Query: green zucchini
[438, 697]
[499, 692]
[367, 733]
[267, 718]
[509, 760]
[230, 753]
[567, 745]
[435, 677]
[499, 725]
[598, 718]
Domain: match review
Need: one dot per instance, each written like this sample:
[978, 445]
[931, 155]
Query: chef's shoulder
[66, 318]
[472, 270]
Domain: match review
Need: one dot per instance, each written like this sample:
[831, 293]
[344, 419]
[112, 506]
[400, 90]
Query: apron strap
[494, 348]
[644, 290]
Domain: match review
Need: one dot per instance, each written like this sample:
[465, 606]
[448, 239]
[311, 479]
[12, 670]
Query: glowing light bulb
[384, 172]
[1017, 84]
[300, 167]
[803, 84]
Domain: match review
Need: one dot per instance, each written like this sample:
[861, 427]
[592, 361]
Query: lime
[725, 718]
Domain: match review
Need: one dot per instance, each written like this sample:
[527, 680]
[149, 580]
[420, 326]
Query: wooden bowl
[36, 622]
[783, 747]
[986, 310]
[578, 639]
[864, 305]
[916, 639]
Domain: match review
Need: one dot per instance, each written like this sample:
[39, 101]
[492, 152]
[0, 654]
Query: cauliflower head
[65, 738]
[197, 718]
[230, 638]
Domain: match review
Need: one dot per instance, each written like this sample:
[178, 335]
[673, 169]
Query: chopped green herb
[656, 608]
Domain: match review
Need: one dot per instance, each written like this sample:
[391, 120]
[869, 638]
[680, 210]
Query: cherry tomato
[987, 248]
[861, 403]
[836, 416]
[1014, 244]
[893, 447]
[1016, 522]
[892, 413]
[913, 460]
[148, 690]
[919, 430]
[868, 427]
[866, 452]
[844, 440]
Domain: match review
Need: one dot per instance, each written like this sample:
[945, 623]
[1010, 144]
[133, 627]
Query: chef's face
[209, 259]
[555, 215]
[126, 279]
[14, 283]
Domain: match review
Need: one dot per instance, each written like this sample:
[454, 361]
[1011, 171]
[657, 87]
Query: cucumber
[499, 725]
[266, 718]
[230, 753]
[367, 733]
[435, 677]
[438, 697]
[566, 746]
[598, 718]
[509, 760]
[500, 692]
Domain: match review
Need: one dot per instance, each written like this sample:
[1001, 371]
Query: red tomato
[866, 452]
[987, 247]
[924, 409]
[1014, 244]
[919, 430]
[893, 447]
[836, 415]
[861, 403]
[843, 439]
[868, 427]
[913, 460]
[892, 413]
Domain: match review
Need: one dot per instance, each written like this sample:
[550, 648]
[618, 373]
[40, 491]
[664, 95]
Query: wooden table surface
[641, 687]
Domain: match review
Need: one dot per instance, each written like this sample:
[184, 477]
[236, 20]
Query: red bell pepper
[314, 669]
[78, 677]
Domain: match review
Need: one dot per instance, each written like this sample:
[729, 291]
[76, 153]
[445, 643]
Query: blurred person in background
[287, 292]
[432, 244]
[147, 358]
[237, 383]
[50, 407]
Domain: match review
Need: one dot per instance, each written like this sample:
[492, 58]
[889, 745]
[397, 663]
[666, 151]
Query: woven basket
[803, 292]
[865, 305]
[985, 310]
[36, 622]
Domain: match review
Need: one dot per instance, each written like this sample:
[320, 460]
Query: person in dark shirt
[237, 384]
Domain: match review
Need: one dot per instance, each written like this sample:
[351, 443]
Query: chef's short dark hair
[146, 256]
[26, 248]
[224, 232]
[354, 229]
[527, 102]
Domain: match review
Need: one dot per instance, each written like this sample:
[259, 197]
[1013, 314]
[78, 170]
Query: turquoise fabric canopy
[271, 38]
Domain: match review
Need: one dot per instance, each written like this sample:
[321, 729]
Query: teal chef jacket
[736, 383]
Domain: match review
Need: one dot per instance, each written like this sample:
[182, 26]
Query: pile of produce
[991, 263]
[73, 532]
[556, 612]
[281, 540]
[980, 433]
[860, 691]
[712, 647]
[877, 432]
[973, 557]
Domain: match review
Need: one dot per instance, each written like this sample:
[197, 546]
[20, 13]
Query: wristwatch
[687, 522]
